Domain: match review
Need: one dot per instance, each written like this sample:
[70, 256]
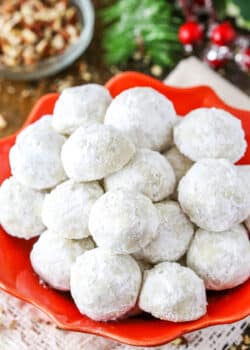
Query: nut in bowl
[40, 38]
[17, 275]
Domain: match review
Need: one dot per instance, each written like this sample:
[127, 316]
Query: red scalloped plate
[18, 278]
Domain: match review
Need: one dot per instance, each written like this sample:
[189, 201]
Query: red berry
[217, 56]
[190, 32]
[217, 63]
[223, 34]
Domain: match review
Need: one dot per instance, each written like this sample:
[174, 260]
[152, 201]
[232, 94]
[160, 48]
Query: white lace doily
[23, 327]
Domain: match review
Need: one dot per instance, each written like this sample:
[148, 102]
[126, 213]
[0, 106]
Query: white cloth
[193, 72]
[22, 327]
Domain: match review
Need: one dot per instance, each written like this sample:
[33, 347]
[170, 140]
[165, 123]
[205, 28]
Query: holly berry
[217, 56]
[223, 34]
[190, 32]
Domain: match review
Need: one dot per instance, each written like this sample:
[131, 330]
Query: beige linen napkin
[192, 72]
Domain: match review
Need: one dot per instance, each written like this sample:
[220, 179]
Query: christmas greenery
[149, 26]
[240, 9]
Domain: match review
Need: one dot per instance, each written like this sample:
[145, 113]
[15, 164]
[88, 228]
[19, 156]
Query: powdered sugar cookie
[221, 259]
[147, 172]
[210, 133]
[20, 209]
[213, 195]
[104, 285]
[173, 235]
[123, 221]
[95, 152]
[146, 116]
[173, 292]
[52, 256]
[66, 208]
[35, 158]
[80, 106]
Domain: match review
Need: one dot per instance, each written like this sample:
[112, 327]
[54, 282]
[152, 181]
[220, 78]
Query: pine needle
[146, 25]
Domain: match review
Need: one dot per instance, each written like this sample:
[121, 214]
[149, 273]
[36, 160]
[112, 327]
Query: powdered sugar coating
[210, 133]
[213, 195]
[66, 208]
[52, 256]
[147, 172]
[80, 106]
[244, 173]
[146, 116]
[173, 235]
[180, 163]
[221, 259]
[35, 158]
[20, 209]
[104, 285]
[95, 152]
[173, 292]
[123, 221]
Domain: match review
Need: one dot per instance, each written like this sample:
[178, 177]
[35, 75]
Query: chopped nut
[57, 25]
[244, 347]
[14, 37]
[8, 61]
[156, 70]
[86, 76]
[137, 56]
[71, 30]
[3, 122]
[29, 55]
[11, 51]
[32, 30]
[41, 46]
[11, 90]
[47, 33]
[179, 341]
[58, 42]
[70, 13]
[246, 339]
[26, 93]
[29, 36]
[13, 324]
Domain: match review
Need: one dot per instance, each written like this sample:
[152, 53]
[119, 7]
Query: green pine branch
[146, 25]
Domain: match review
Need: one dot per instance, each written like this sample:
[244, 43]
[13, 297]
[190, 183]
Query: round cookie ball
[146, 116]
[210, 133]
[147, 172]
[104, 285]
[173, 292]
[80, 106]
[66, 208]
[20, 209]
[35, 159]
[52, 257]
[173, 235]
[221, 259]
[95, 152]
[123, 221]
[213, 195]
